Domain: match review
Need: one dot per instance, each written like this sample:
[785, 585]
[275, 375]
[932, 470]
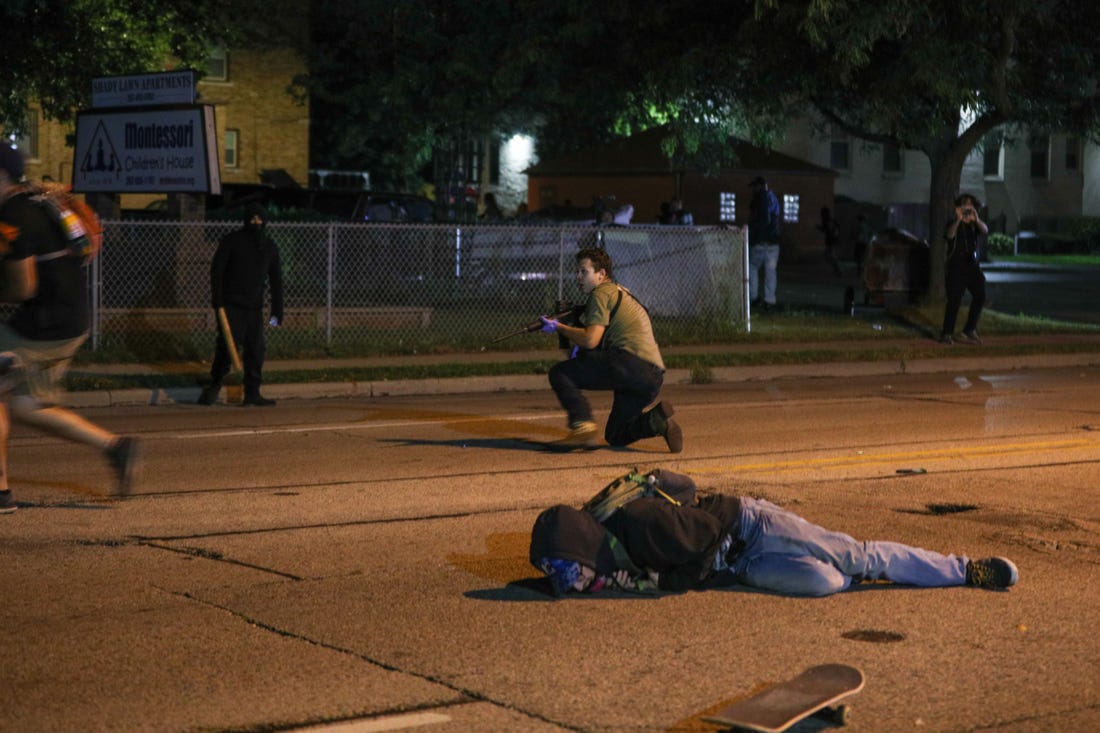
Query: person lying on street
[706, 539]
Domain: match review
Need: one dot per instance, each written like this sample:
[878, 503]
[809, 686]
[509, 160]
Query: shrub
[1000, 244]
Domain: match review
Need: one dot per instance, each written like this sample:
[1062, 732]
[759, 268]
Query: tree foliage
[935, 76]
[53, 49]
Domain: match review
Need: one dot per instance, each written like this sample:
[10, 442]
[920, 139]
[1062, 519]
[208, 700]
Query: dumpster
[896, 269]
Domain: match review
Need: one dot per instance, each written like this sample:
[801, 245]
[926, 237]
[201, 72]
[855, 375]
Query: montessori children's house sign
[145, 134]
[147, 150]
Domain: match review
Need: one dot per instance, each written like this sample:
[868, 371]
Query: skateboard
[814, 692]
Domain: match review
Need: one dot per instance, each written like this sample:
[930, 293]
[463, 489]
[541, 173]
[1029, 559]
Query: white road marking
[391, 722]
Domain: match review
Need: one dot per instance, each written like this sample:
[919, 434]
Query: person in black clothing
[46, 277]
[962, 272]
[684, 541]
[245, 261]
[830, 230]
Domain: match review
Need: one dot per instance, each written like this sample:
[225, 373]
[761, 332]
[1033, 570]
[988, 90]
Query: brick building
[261, 128]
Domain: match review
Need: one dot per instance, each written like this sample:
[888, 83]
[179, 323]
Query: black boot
[257, 400]
[209, 394]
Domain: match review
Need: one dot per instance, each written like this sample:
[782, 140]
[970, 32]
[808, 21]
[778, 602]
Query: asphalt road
[1067, 294]
[361, 564]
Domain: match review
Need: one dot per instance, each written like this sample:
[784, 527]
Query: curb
[536, 382]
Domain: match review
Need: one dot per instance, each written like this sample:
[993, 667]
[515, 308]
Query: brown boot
[660, 417]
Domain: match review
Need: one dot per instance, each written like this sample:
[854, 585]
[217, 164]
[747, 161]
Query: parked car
[374, 206]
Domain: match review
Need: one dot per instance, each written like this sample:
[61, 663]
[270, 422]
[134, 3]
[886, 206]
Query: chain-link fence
[380, 288]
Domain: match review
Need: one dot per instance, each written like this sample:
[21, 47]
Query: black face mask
[255, 231]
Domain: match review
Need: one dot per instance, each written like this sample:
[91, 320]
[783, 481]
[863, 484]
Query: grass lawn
[795, 336]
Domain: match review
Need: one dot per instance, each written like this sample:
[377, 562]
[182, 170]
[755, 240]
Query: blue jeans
[764, 255]
[786, 554]
[635, 382]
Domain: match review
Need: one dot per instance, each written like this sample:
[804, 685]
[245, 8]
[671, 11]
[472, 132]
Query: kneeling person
[615, 350]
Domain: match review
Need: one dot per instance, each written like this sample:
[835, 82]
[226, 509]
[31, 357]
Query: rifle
[534, 325]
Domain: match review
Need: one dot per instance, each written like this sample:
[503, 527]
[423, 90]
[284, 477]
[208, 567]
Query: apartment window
[1073, 153]
[28, 141]
[217, 64]
[892, 160]
[727, 206]
[840, 152]
[993, 160]
[232, 142]
[1040, 156]
[790, 207]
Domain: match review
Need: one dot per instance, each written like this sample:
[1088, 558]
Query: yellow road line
[903, 456]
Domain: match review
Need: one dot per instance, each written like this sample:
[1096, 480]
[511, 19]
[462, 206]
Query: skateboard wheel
[837, 715]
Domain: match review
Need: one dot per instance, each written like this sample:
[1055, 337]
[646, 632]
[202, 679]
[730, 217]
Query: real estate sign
[163, 149]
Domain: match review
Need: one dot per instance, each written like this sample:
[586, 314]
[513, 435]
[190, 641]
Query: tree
[935, 76]
[53, 49]
[396, 83]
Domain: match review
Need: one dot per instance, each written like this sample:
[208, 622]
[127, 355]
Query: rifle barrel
[531, 327]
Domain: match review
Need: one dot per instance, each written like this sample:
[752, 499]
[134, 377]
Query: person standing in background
[245, 262]
[964, 237]
[763, 226]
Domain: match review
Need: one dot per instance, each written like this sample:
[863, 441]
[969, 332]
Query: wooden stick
[230, 342]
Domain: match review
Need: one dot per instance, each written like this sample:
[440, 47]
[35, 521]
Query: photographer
[964, 236]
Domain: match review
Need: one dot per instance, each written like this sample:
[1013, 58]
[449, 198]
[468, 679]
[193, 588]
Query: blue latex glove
[549, 325]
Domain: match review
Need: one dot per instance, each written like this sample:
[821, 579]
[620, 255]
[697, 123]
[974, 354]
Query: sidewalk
[961, 358]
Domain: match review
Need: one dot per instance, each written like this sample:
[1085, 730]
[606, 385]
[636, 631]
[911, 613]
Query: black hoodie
[679, 542]
[245, 258]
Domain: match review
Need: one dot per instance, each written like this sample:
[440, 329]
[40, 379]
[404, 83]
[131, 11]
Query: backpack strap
[640, 582]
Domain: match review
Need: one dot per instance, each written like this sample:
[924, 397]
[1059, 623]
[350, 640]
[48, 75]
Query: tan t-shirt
[630, 329]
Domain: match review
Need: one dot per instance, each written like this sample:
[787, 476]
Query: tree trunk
[946, 174]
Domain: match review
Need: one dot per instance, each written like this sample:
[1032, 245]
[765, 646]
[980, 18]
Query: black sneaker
[209, 394]
[972, 337]
[992, 572]
[257, 400]
[7, 503]
[125, 458]
[666, 427]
